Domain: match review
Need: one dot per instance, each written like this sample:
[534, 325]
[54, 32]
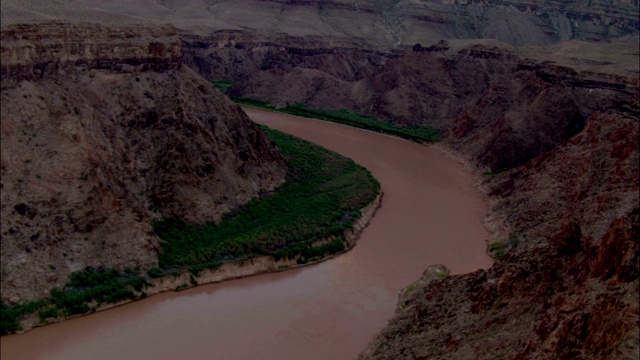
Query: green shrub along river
[86, 290]
[321, 199]
[420, 134]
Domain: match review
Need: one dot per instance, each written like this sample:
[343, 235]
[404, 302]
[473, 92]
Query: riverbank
[430, 214]
[416, 133]
[228, 271]
[319, 212]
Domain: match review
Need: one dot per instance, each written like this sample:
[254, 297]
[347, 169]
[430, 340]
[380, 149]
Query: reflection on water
[430, 214]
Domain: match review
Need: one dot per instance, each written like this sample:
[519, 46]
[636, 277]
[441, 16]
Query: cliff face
[567, 284]
[494, 103]
[561, 120]
[527, 22]
[319, 71]
[103, 132]
[382, 24]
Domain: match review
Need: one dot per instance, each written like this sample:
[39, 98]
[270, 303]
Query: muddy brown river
[430, 214]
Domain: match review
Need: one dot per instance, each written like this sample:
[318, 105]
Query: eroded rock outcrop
[379, 23]
[490, 101]
[563, 119]
[566, 286]
[103, 132]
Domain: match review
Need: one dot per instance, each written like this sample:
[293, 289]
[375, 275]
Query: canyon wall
[500, 105]
[565, 282]
[557, 125]
[383, 24]
[103, 132]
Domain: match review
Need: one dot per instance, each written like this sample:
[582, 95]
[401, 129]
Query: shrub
[422, 133]
[10, 316]
[223, 85]
[495, 171]
[495, 246]
[51, 312]
[322, 197]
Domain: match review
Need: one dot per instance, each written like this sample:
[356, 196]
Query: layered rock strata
[383, 24]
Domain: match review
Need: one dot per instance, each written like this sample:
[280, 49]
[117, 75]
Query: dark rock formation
[492, 103]
[567, 287]
[103, 132]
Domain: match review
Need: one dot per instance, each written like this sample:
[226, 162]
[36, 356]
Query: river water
[430, 214]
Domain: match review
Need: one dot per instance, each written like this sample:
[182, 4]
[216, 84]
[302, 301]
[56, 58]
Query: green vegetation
[181, 287]
[500, 249]
[496, 171]
[414, 133]
[321, 198]
[100, 285]
[315, 253]
[223, 85]
[11, 315]
[154, 273]
[442, 275]
[51, 312]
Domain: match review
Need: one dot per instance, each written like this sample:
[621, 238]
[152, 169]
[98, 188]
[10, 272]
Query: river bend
[430, 214]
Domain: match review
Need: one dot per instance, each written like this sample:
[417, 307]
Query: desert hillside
[102, 137]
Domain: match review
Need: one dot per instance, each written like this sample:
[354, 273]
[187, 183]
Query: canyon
[542, 97]
[86, 161]
[328, 310]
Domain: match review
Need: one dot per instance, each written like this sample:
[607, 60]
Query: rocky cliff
[382, 24]
[560, 121]
[499, 104]
[103, 132]
[565, 282]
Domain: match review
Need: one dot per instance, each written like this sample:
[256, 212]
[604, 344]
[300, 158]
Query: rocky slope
[104, 131]
[564, 119]
[565, 284]
[460, 87]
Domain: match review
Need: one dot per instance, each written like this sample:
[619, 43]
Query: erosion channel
[430, 214]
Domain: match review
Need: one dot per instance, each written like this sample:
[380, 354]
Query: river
[430, 214]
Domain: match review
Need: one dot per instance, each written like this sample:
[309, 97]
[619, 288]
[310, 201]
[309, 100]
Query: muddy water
[430, 214]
